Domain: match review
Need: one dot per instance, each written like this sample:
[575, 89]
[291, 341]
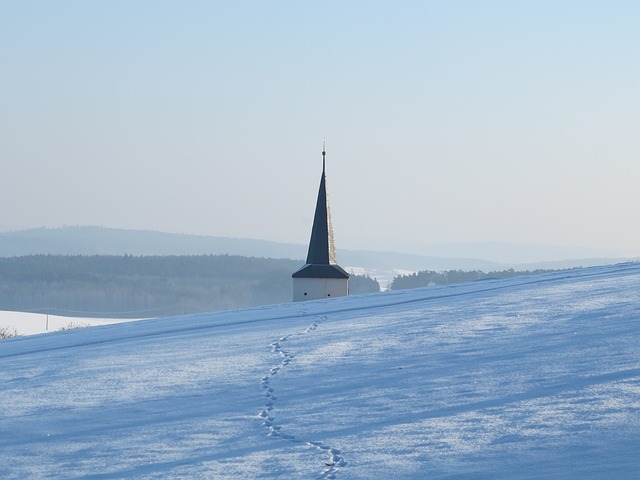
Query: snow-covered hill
[535, 377]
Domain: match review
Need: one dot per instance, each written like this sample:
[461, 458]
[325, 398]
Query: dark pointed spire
[321, 259]
[321, 245]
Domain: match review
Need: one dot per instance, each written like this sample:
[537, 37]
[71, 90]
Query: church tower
[321, 276]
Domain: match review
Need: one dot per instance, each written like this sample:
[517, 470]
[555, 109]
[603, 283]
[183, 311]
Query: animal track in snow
[335, 460]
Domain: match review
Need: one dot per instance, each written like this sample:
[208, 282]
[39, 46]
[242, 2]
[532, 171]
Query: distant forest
[428, 278]
[148, 286]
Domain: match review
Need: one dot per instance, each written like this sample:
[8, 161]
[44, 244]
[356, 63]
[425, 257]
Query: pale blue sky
[446, 122]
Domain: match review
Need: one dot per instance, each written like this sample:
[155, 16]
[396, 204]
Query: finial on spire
[324, 153]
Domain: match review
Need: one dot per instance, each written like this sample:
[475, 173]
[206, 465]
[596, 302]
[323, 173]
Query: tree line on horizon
[430, 278]
[148, 286]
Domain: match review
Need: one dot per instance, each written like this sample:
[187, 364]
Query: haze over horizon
[446, 124]
[485, 256]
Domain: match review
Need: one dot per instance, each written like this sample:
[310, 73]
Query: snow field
[534, 377]
[25, 323]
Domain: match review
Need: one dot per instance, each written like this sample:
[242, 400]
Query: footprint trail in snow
[334, 462]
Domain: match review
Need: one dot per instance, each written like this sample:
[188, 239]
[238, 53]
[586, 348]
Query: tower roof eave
[321, 271]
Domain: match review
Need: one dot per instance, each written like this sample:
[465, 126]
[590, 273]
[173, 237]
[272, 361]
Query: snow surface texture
[530, 377]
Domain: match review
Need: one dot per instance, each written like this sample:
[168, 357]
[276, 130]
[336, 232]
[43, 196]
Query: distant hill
[384, 265]
[89, 240]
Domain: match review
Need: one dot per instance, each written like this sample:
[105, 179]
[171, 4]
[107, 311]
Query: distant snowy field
[33, 323]
[529, 377]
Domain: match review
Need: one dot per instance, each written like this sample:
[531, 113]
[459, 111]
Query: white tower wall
[317, 288]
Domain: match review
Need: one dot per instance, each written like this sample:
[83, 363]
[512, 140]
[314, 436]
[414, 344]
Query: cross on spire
[324, 154]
